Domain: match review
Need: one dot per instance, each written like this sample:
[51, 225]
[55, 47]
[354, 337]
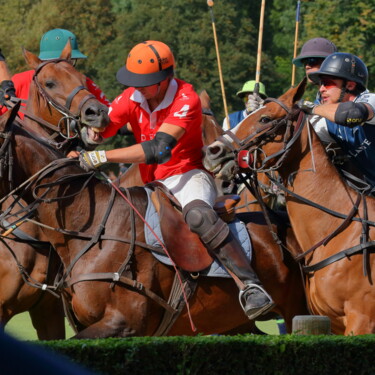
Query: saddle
[185, 247]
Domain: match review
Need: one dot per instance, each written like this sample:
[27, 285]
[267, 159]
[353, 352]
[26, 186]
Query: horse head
[59, 101]
[264, 132]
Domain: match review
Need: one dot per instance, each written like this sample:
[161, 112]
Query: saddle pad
[237, 227]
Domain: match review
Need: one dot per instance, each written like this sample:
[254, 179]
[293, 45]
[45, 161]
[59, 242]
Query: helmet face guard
[345, 66]
[53, 42]
[147, 64]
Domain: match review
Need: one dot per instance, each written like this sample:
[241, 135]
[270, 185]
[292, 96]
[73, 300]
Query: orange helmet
[148, 63]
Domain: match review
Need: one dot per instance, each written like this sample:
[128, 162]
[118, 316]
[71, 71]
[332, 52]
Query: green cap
[54, 41]
[249, 87]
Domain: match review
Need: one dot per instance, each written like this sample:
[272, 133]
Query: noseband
[72, 120]
[264, 134]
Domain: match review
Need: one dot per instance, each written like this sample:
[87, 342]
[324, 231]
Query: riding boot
[253, 298]
[217, 237]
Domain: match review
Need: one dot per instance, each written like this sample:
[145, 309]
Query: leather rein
[124, 276]
[265, 134]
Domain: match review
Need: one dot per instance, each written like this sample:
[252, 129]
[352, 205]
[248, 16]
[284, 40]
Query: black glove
[2, 58]
[306, 106]
[7, 90]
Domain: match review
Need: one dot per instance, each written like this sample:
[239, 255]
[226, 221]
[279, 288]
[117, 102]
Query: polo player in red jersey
[165, 115]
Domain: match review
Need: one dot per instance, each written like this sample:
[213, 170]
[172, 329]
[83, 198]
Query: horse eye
[265, 119]
[50, 84]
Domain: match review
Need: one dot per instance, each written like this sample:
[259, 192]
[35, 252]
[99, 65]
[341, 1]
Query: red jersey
[181, 106]
[23, 80]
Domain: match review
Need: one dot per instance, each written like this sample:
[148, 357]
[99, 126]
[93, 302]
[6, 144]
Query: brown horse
[110, 275]
[27, 261]
[333, 223]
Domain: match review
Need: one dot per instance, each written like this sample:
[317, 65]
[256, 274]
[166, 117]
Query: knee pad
[205, 222]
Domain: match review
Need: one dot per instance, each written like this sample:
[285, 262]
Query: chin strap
[343, 91]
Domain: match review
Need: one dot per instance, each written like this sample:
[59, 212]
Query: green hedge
[243, 354]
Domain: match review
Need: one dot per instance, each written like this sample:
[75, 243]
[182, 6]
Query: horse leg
[47, 317]
[358, 324]
[109, 326]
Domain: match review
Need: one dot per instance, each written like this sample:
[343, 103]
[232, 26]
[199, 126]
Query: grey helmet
[343, 65]
[317, 47]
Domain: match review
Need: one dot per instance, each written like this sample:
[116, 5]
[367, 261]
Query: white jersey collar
[166, 102]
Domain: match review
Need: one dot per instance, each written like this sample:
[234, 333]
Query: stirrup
[262, 310]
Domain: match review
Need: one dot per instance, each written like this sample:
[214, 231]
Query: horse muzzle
[220, 161]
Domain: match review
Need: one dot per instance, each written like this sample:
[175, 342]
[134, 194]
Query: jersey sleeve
[369, 99]
[185, 110]
[118, 115]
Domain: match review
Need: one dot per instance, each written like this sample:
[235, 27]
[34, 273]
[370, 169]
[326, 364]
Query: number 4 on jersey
[182, 112]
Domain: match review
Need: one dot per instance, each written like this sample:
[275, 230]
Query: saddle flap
[184, 246]
[225, 206]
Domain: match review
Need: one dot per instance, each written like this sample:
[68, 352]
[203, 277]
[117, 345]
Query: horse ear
[66, 53]
[32, 60]
[294, 93]
[300, 90]
[205, 99]
[9, 116]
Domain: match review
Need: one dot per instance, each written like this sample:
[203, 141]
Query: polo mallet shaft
[259, 52]
[295, 42]
[210, 4]
[12, 228]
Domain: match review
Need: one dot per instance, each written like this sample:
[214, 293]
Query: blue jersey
[234, 118]
[357, 142]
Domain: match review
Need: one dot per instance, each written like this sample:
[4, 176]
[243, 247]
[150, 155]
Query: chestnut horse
[333, 223]
[27, 260]
[109, 273]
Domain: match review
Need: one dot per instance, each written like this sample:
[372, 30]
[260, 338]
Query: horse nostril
[92, 111]
[214, 151]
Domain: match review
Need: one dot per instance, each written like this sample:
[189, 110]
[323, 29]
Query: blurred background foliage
[107, 29]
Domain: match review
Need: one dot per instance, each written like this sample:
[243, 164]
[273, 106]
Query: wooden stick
[12, 228]
[295, 43]
[259, 52]
[210, 4]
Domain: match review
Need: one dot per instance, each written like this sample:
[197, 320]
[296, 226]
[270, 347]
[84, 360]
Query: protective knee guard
[204, 221]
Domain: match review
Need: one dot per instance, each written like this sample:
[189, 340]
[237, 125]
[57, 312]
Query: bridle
[248, 148]
[72, 120]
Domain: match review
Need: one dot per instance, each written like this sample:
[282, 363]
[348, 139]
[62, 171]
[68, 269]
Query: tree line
[107, 29]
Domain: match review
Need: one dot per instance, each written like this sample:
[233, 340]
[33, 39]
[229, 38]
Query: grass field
[21, 328]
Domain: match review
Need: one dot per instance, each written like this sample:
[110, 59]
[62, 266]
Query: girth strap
[342, 254]
[115, 277]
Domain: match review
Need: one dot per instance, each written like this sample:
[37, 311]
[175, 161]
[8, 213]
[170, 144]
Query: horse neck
[30, 156]
[308, 172]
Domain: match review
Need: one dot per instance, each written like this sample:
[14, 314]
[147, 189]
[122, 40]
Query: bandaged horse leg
[215, 234]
